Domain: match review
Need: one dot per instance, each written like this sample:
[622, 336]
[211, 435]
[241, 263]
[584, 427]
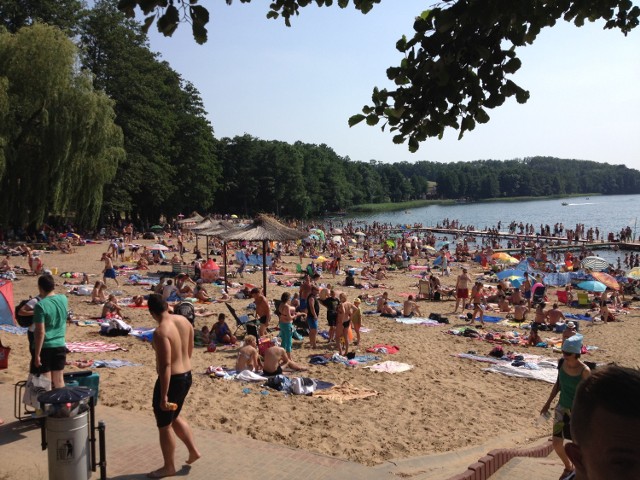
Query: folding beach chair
[424, 290]
[243, 322]
[562, 296]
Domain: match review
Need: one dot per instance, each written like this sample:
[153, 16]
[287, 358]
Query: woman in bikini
[248, 358]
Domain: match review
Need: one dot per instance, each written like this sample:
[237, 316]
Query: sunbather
[248, 358]
[98, 294]
[111, 308]
[275, 359]
[222, 332]
[411, 308]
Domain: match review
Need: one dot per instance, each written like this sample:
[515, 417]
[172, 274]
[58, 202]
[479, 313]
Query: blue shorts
[313, 323]
[527, 294]
[110, 273]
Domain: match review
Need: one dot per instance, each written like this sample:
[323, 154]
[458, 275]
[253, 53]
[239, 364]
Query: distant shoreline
[393, 207]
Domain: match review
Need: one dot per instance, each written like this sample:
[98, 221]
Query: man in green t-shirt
[50, 320]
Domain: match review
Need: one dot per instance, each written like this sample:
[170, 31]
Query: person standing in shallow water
[173, 344]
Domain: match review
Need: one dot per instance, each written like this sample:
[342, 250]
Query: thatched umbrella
[263, 229]
[195, 217]
[214, 229]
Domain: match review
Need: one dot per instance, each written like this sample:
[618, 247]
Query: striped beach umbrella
[634, 273]
[597, 264]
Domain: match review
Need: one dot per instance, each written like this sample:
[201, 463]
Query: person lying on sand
[275, 359]
[248, 358]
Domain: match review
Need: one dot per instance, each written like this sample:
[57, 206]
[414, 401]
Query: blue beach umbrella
[509, 273]
[592, 286]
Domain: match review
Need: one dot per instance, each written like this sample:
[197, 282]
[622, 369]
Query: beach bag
[187, 310]
[280, 383]
[36, 384]
[23, 320]
[4, 356]
[117, 328]
[303, 386]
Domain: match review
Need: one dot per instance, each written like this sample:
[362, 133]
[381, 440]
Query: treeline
[125, 136]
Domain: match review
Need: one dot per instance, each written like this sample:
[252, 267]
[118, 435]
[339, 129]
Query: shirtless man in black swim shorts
[173, 344]
[263, 312]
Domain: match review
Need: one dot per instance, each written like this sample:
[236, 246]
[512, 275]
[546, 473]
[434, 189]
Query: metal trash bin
[66, 432]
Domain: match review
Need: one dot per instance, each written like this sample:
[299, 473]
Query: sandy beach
[444, 403]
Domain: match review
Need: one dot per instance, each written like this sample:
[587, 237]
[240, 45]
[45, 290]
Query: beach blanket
[492, 319]
[14, 329]
[249, 376]
[417, 321]
[87, 323]
[547, 373]
[575, 316]
[389, 366]
[143, 333]
[344, 392]
[114, 363]
[92, 347]
[357, 360]
[383, 348]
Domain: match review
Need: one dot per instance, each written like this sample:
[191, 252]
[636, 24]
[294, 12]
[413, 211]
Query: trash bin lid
[64, 395]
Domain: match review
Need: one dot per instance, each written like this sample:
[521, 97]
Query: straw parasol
[213, 228]
[263, 229]
[195, 217]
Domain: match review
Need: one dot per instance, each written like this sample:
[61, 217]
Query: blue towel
[14, 329]
[575, 316]
[491, 319]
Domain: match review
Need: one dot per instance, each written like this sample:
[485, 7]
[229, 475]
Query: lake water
[609, 213]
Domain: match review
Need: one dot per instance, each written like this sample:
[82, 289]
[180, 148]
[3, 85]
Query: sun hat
[573, 344]
[571, 325]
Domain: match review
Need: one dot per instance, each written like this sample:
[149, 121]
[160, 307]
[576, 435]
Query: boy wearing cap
[571, 371]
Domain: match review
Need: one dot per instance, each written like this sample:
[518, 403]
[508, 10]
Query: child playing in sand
[222, 331]
[248, 358]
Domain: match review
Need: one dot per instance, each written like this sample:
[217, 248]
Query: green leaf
[343, 3]
[372, 119]
[356, 119]
[199, 14]
[147, 23]
[272, 14]
[168, 23]
[199, 33]
[128, 7]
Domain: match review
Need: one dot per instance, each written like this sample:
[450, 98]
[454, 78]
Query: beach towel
[114, 363]
[344, 392]
[249, 376]
[545, 373]
[14, 329]
[389, 366]
[575, 316]
[143, 333]
[383, 348]
[492, 319]
[357, 360]
[417, 321]
[92, 347]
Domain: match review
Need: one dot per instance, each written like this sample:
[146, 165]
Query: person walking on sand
[108, 271]
[462, 288]
[571, 372]
[173, 344]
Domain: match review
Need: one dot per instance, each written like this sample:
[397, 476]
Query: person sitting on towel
[275, 358]
[248, 358]
[411, 308]
[222, 332]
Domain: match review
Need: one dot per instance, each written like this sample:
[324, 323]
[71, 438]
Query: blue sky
[259, 77]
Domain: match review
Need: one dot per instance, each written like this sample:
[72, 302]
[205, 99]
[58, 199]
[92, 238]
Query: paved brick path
[133, 451]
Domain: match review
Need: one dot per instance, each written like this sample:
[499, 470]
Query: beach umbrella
[337, 239]
[321, 259]
[607, 279]
[313, 236]
[337, 231]
[503, 257]
[360, 234]
[157, 227]
[516, 281]
[159, 246]
[234, 216]
[509, 273]
[430, 249]
[592, 286]
[596, 264]
[263, 229]
[634, 273]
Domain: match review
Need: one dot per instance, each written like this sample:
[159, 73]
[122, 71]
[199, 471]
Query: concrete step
[547, 468]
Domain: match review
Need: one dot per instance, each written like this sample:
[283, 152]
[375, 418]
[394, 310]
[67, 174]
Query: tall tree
[64, 14]
[60, 142]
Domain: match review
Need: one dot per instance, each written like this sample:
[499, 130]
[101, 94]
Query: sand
[444, 403]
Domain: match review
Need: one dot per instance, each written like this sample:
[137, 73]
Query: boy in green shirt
[50, 320]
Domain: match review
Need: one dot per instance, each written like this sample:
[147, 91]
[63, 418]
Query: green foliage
[65, 14]
[60, 143]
